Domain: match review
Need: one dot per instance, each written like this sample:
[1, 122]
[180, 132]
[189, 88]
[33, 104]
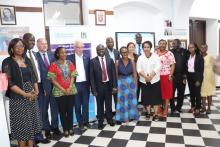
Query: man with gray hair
[44, 58]
[82, 82]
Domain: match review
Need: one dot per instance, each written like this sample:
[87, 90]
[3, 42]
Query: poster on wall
[65, 36]
[7, 34]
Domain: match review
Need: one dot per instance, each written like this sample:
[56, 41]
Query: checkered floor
[177, 130]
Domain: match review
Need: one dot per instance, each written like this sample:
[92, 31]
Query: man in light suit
[44, 59]
[110, 52]
[82, 82]
[103, 84]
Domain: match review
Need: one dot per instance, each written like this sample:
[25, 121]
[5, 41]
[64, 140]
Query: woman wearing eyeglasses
[23, 92]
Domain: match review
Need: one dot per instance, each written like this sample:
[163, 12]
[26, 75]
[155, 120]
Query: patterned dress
[167, 59]
[209, 81]
[24, 114]
[126, 107]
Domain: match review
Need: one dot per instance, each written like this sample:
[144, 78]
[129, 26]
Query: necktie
[104, 73]
[45, 60]
[33, 64]
[139, 49]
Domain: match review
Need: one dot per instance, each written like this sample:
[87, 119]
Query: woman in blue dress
[126, 108]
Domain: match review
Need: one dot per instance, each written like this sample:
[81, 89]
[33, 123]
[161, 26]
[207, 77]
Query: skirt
[126, 107]
[151, 94]
[25, 119]
[166, 87]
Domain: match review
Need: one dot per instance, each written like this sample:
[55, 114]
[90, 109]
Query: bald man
[103, 84]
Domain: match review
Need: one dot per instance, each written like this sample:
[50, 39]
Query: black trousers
[178, 86]
[195, 91]
[138, 89]
[65, 105]
[104, 97]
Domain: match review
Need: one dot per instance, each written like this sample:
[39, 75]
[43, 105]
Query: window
[63, 12]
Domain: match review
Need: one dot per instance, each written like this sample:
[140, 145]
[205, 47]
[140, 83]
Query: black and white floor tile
[177, 130]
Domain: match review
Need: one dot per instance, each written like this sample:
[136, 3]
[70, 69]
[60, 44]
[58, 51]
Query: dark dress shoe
[87, 125]
[56, 131]
[81, 127]
[111, 123]
[100, 126]
[43, 141]
[47, 134]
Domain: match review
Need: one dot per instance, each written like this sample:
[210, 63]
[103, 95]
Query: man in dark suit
[29, 41]
[179, 75]
[110, 52]
[103, 84]
[82, 84]
[44, 59]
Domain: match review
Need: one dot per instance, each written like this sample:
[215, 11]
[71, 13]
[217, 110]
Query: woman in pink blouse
[166, 74]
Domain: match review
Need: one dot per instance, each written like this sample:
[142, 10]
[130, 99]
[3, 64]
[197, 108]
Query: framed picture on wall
[183, 43]
[8, 16]
[100, 17]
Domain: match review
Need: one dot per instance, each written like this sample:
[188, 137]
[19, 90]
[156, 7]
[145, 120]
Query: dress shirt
[46, 55]
[111, 54]
[137, 49]
[36, 64]
[80, 69]
[149, 65]
[100, 61]
[191, 63]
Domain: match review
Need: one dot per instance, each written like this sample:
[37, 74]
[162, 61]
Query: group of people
[39, 79]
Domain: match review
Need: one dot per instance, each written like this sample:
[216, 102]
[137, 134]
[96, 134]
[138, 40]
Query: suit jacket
[96, 74]
[198, 67]
[86, 62]
[116, 54]
[43, 70]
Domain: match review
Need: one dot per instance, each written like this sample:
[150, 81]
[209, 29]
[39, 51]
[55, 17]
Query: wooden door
[197, 31]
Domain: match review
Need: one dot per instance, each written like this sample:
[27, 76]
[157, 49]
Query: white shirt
[191, 63]
[100, 61]
[137, 49]
[111, 53]
[80, 69]
[42, 56]
[149, 65]
[36, 64]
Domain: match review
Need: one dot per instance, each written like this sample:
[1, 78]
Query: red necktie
[104, 73]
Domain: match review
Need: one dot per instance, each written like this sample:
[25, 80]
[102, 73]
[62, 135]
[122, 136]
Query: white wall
[139, 15]
[209, 11]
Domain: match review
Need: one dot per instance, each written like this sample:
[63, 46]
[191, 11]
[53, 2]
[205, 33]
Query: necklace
[64, 69]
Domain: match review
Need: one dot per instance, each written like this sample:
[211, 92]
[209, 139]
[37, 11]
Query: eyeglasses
[19, 46]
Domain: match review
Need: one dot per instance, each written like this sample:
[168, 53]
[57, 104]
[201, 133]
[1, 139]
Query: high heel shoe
[66, 133]
[165, 112]
[197, 112]
[71, 132]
